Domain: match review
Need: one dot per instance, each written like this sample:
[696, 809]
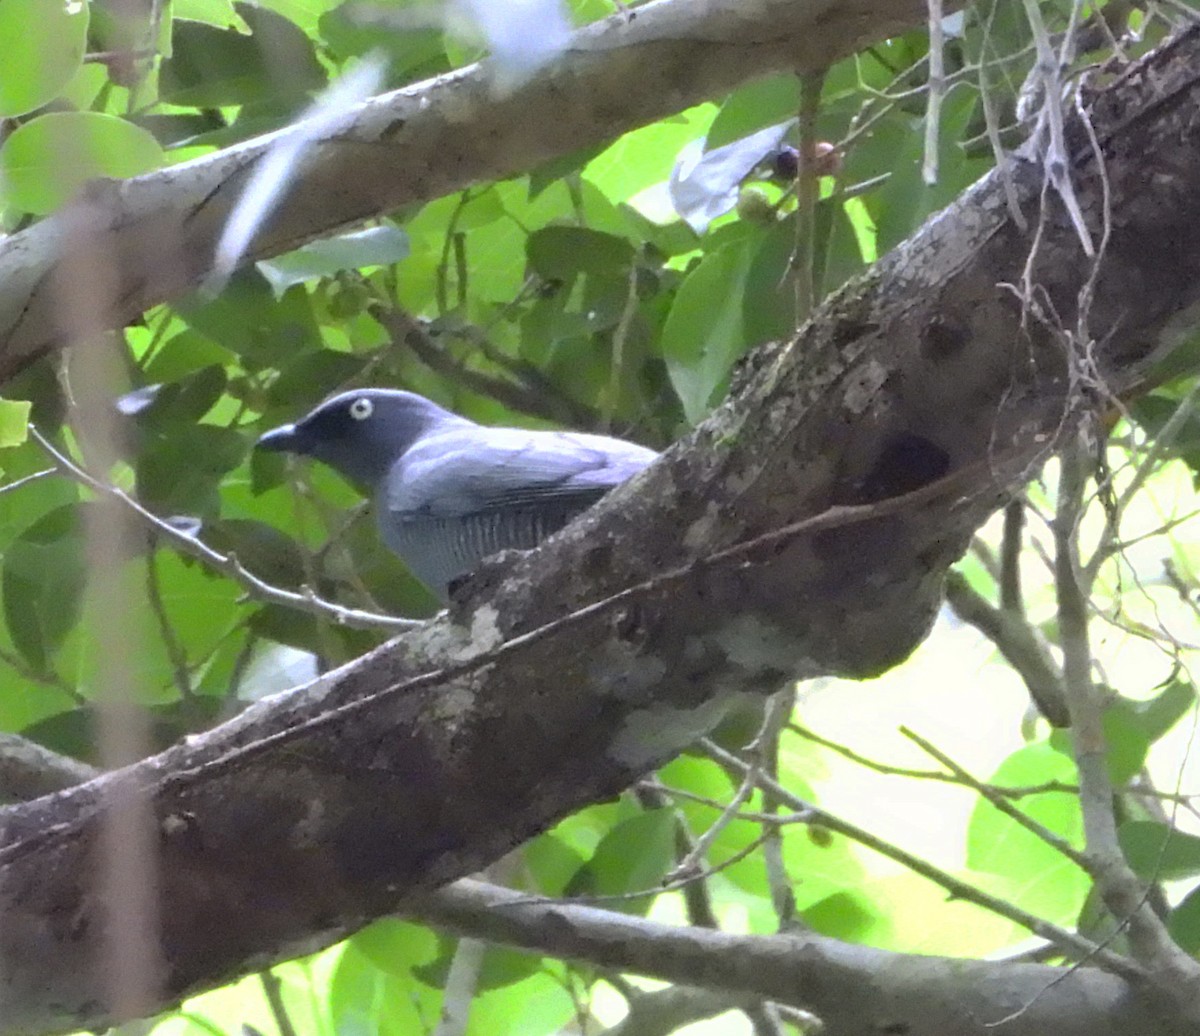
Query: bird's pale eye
[361, 408]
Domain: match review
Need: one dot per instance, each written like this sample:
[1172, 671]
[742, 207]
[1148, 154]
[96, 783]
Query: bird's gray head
[361, 433]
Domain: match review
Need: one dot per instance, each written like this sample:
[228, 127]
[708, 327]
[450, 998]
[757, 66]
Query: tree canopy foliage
[618, 231]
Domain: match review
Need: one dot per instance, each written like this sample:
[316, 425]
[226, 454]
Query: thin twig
[226, 564]
[807, 188]
[271, 989]
[1003, 804]
[1124, 895]
[936, 79]
[26, 480]
[1074, 946]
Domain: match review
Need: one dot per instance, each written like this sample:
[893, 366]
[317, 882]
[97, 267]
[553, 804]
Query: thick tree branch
[29, 770]
[430, 139]
[841, 984]
[881, 438]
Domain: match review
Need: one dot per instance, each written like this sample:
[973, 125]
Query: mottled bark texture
[909, 405]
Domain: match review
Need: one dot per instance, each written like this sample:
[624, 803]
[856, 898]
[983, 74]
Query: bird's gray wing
[462, 494]
[476, 470]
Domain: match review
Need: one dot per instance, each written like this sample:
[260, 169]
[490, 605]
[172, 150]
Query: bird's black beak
[286, 438]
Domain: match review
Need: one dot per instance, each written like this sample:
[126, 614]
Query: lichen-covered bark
[898, 417]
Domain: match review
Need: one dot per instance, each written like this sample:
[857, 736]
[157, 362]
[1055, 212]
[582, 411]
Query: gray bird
[448, 492]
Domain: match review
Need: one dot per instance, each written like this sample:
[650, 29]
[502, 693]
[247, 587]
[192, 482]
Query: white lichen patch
[647, 735]
[758, 647]
[862, 386]
[449, 707]
[699, 533]
[624, 672]
[308, 830]
[449, 642]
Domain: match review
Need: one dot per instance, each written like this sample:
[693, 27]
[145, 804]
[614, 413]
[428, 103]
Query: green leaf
[47, 161]
[14, 420]
[366, 1000]
[248, 319]
[184, 401]
[632, 857]
[375, 246]
[266, 551]
[42, 582]
[304, 380]
[1158, 715]
[996, 844]
[551, 862]
[212, 68]
[562, 253]
[417, 53]
[501, 967]
[179, 471]
[752, 107]
[1159, 852]
[1127, 745]
[396, 946]
[705, 333]
[43, 43]
[220, 13]
[1184, 923]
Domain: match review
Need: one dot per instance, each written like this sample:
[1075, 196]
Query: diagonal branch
[840, 983]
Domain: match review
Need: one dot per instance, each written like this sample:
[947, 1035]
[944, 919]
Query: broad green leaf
[212, 67]
[913, 915]
[645, 157]
[551, 862]
[365, 1000]
[1158, 852]
[219, 13]
[358, 249]
[184, 401]
[179, 472]
[705, 331]
[417, 53]
[43, 43]
[632, 857]
[396, 946]
[847, 914]
[754, 106]
[42, 580]
[266, 551]
[501, 967]
[1127, 745]
[563, 253]
[14, 421]
[47, 161]
[1042, 878]
[1184, 923]
[248, 319]
[305, 379]
[539, 1006]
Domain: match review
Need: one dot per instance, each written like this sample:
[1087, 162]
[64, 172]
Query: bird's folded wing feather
[461, 472]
